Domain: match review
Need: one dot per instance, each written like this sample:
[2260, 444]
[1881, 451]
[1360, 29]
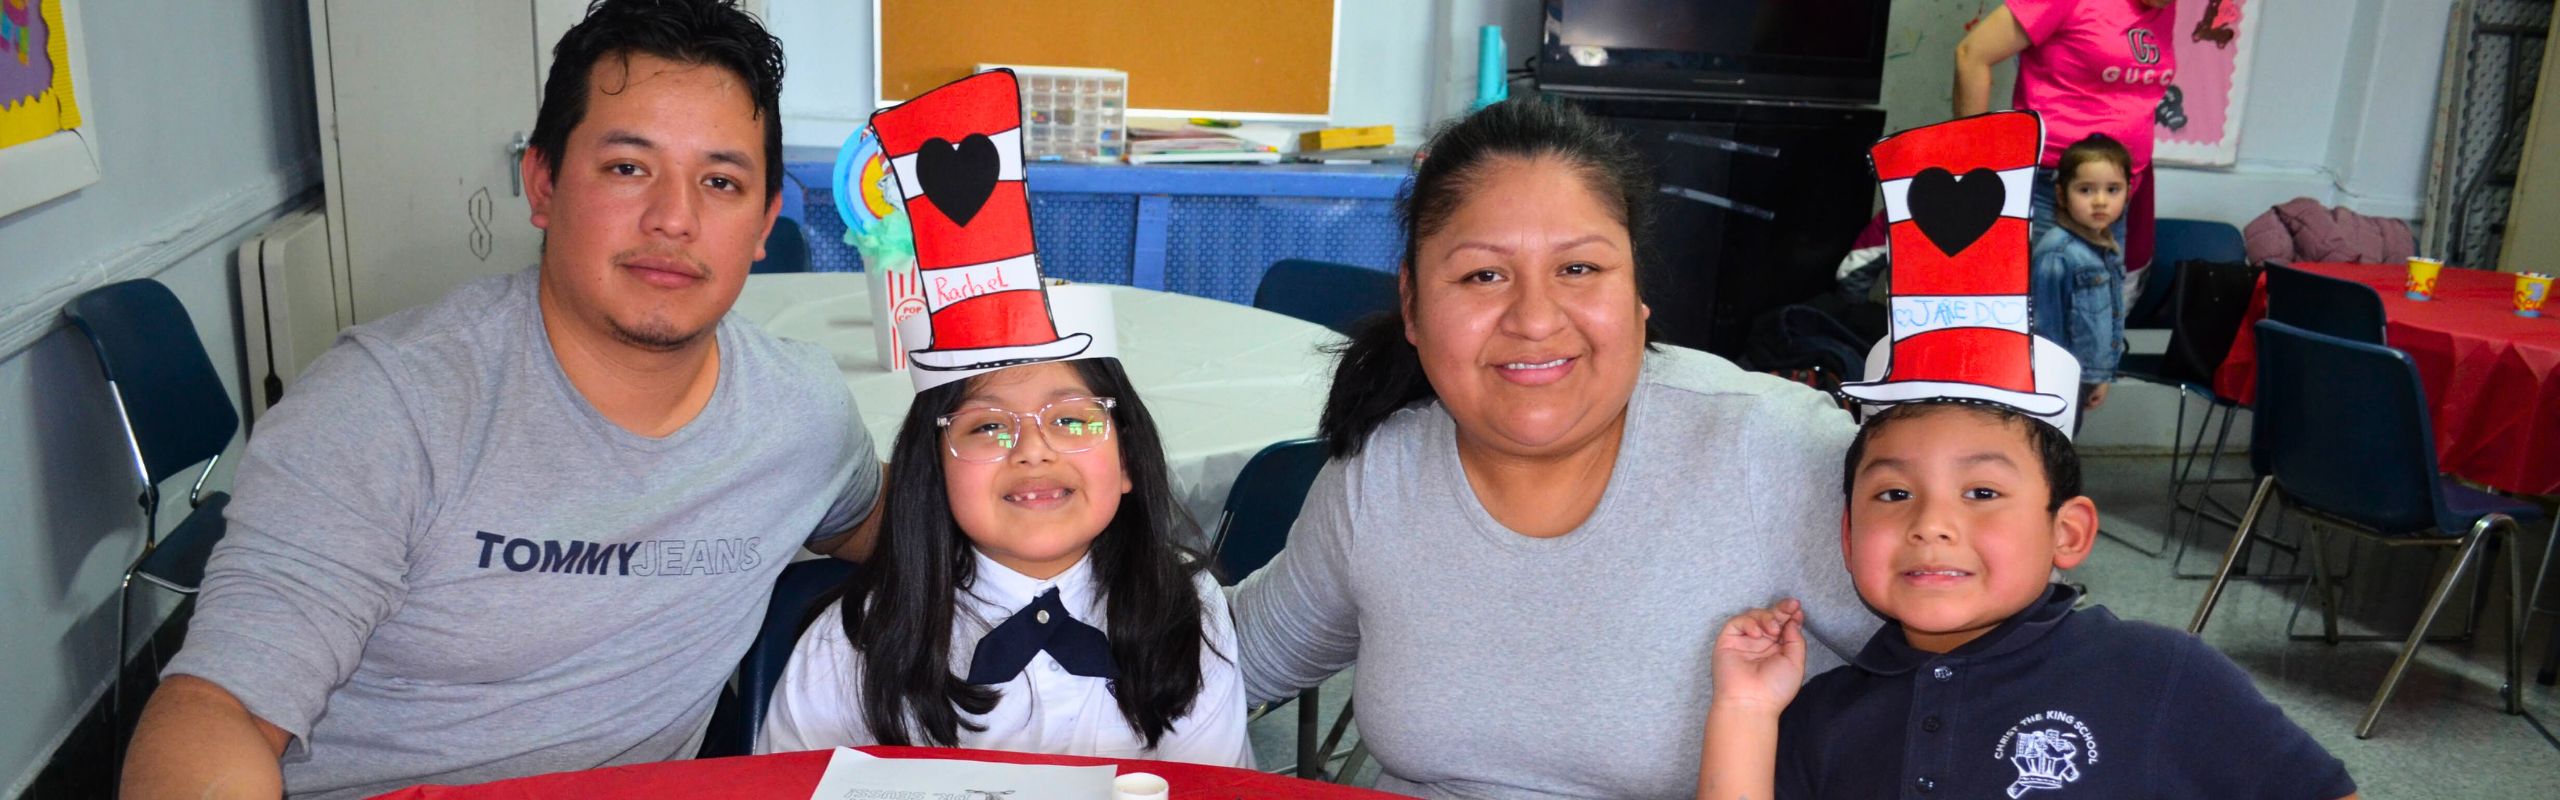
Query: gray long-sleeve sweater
[1496, 665]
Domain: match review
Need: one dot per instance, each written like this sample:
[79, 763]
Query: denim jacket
[2078, 297]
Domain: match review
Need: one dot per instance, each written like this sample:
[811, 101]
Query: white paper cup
[1139, 786]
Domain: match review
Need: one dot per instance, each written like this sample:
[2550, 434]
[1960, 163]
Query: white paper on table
[855, 775]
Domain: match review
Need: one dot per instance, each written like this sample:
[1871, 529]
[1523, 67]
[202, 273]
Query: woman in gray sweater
[1534, 520]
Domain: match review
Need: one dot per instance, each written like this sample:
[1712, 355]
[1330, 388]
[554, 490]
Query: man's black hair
[706, 32]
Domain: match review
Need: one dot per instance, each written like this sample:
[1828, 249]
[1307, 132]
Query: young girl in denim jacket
[2078, 281]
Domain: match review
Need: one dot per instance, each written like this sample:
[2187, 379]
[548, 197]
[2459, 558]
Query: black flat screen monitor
[1804, 50]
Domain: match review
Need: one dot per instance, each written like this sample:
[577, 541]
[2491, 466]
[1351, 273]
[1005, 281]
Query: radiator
[289, 311]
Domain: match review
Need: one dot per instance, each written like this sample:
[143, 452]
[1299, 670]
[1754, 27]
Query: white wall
[206, 117]
[2340, 109]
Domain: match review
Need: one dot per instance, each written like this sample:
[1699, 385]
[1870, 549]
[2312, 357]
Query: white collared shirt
[1046, 709]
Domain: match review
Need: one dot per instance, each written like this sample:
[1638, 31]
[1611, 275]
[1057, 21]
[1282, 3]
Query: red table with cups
[792, 776]
[2492, 377]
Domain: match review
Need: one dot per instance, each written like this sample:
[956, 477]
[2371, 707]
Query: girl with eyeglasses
[1030, 591]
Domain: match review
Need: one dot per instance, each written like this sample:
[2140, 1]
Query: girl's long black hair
[898, 608]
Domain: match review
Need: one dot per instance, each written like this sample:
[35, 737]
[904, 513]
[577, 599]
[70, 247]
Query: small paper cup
[2422, 277]
[1139, 786]
[2532, 289]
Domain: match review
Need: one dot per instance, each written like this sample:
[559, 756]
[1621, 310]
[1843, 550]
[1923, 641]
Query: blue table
[1203, 230]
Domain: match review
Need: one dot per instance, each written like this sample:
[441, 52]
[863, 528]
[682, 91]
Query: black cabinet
[1758, 203]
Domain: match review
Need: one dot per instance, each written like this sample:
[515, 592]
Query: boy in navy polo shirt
[1963, 497]
[1985, 682]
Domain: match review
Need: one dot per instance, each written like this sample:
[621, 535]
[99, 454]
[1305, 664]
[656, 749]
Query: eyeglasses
[986, 435]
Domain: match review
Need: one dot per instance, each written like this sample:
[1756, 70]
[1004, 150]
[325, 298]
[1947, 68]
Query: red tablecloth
[792, 776]
[2492, 378]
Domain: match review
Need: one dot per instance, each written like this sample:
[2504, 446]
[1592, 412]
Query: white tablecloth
[1222, 380]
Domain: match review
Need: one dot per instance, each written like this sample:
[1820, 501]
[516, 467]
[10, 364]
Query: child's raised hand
[1759, 657]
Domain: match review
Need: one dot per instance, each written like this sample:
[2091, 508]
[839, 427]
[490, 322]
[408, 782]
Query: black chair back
[2176, 243]
[2211, 299]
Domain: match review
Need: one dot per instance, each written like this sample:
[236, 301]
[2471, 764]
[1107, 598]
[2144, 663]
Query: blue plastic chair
[1332, 295]
[786, 249]
[2316, 303]
[739, 716]
[1252, 529]
[2341, 434]
[1262, 506]
[176, 415]
[2175, 242]
[2325, 305]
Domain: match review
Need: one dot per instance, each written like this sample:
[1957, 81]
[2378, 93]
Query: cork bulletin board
[1266, 59]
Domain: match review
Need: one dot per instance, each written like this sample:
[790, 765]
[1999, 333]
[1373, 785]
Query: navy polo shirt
[2053, 704]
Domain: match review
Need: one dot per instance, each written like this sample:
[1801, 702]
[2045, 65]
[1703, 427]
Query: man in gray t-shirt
[531, 527]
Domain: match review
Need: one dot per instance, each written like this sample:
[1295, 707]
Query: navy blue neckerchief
[1042, 625]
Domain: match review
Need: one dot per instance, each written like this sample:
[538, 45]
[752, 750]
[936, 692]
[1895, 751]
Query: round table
[2492, 378]
[1222, 380]
[790, 776]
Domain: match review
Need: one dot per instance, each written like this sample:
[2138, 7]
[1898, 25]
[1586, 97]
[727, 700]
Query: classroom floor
[2443, 735]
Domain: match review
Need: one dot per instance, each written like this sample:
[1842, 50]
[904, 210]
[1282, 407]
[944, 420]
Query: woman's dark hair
[706, 32]
[2061, 459]
[1380, 373]
[898, 608]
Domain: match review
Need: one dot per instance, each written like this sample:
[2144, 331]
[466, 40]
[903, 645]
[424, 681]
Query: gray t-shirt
[445, 566]
[1496, 665]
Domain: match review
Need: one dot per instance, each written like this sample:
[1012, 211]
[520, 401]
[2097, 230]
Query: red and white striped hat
[1956, 198]
[957, 154]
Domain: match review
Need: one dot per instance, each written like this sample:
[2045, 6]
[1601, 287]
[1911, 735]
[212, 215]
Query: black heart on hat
[1953, 211]
[958, 177]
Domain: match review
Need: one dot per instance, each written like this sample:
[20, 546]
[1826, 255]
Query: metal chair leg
[2426, 619]
[2335, 590]
[2177, 436]
[2517, 617]
[2178, 506]
[2186, 473]
[116, 710]
[2322, 581]
[2197, 513]
[2231, 555]
[1333, 738]
[2177, 478]
[1310, 766]
[2550, 672]
[1351, 764]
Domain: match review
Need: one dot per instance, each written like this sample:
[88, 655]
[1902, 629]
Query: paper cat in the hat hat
[957, 155]
[1956, 199]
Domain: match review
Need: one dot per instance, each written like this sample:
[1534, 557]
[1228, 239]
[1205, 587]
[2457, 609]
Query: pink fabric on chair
[2303, 230]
